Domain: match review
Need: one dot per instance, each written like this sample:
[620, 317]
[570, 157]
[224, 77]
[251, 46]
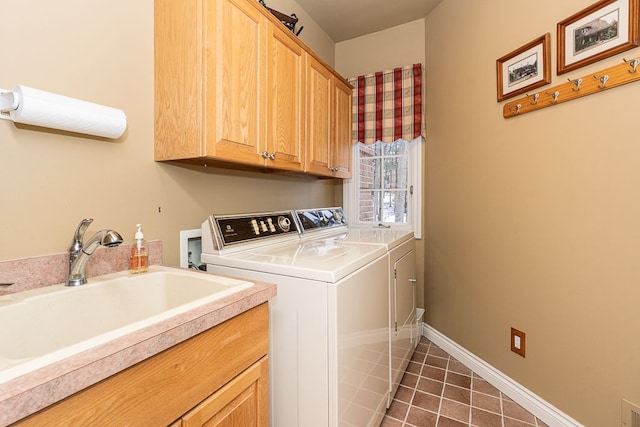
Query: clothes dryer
[400, 246]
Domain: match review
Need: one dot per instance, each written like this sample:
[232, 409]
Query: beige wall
[103, 52]
[383, 50]
[533, 221]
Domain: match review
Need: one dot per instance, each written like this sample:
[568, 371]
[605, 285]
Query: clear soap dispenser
[139, 258]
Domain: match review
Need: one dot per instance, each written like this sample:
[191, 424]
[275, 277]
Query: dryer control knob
[284, 223]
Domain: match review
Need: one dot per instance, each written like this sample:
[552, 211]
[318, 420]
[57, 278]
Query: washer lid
[385, 236]
[326, 259]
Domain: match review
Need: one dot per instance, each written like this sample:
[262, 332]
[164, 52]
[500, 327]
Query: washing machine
[329, 326]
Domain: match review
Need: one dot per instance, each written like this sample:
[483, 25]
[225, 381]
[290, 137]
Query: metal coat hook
[516, 108]
[555, 96]
[535, 97]
[576, 82]
[603, 80]
[633, 63]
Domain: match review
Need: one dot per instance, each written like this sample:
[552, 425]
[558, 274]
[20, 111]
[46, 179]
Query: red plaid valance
[387, 105]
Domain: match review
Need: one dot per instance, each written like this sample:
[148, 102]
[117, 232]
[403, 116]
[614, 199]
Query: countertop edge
[30, 393]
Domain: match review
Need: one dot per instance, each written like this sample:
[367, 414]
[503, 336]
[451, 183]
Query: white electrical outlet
[518, 342]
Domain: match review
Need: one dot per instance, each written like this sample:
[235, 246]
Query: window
[385, 188]
[387, 160]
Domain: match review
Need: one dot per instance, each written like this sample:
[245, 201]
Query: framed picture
[525, 68]
[604, 29]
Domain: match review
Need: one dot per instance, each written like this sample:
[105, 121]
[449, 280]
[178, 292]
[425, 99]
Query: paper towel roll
[40, 108]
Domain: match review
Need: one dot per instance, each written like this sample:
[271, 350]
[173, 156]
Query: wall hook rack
[606, 79]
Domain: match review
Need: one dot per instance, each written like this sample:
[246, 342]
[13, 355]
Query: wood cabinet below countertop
[176, 387]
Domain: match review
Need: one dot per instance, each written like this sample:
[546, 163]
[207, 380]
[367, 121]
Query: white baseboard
[519, 394]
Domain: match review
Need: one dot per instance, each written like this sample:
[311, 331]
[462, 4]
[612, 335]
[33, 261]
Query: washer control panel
[245, 228]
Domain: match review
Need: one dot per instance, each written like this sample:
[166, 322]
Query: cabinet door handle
[414, 281]
[272, 156]
[264, 155]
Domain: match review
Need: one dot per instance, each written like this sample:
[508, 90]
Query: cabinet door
[235, 84]
[244, 401]
[319, 130]
[342, 130]
[179, 71]
[286, 98]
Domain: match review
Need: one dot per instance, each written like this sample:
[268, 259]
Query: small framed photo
[603, 29]
[525, 68]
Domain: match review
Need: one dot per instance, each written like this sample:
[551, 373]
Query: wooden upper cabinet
[285, 100]
[179, 73]
[328, 123]
[235, 43]
[342, 120]
[319, 94]
[233, 85]
[210, 73]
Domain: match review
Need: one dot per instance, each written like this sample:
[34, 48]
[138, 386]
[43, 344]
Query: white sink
[46, 325]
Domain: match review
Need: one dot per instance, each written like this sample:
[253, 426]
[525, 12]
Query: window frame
[351, 187]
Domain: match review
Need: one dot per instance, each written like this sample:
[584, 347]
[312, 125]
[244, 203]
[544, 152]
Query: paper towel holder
[103, 121]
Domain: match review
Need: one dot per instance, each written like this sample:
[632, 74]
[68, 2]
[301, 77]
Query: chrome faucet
[79, 252]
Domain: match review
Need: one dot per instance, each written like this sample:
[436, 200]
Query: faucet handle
[76, 244]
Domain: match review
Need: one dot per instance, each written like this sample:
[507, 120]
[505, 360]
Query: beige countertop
[36, 390]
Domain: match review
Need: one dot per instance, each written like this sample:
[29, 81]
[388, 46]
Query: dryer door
[404, 287]
[402, 319]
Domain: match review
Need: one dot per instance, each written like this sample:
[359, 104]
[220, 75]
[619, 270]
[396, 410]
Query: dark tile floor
[438, 390]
